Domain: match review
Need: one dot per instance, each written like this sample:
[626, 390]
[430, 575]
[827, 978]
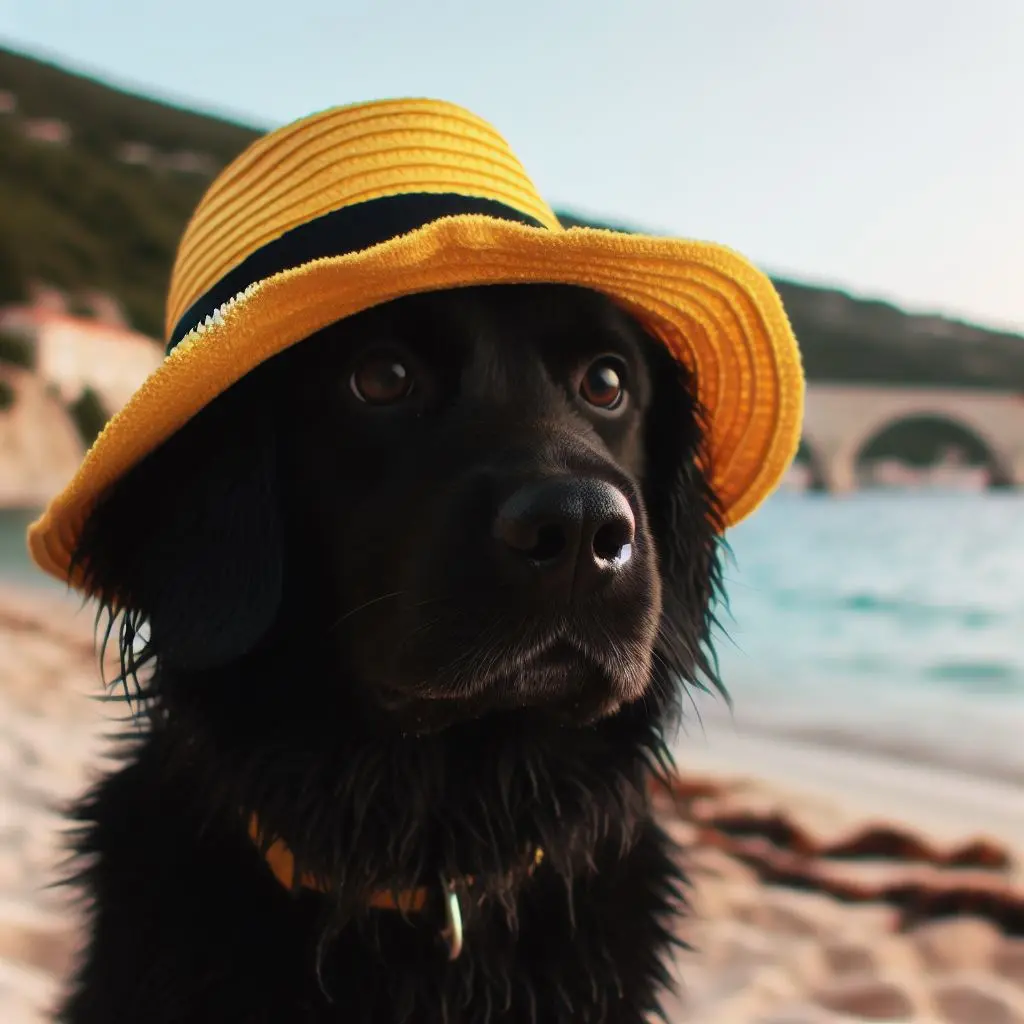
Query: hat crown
[335, 159]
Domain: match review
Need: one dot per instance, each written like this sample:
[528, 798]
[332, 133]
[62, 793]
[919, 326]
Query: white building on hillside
[73, 353]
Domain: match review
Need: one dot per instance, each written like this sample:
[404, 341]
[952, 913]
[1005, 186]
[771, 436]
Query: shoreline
[939, 732]
[893, 750]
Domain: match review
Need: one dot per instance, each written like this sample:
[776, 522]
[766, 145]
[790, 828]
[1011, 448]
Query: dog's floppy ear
[683, 512]
[190, 539]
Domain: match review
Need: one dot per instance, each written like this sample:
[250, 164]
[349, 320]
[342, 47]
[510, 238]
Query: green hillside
[80, 214]
[76, 214]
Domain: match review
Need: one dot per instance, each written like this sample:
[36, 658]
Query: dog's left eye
[381, 378]
[604, 384]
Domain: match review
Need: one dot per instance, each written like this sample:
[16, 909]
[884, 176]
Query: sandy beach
[828, 887]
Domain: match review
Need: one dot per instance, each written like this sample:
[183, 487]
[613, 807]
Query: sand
[828, 887]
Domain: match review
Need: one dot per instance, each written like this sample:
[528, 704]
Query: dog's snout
[575, 530]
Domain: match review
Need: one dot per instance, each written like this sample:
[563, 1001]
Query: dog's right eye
[381, 378]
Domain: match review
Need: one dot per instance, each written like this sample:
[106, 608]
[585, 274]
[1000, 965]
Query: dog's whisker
[362, 607]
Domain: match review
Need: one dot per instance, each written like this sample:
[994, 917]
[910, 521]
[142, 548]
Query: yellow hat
[362, 204]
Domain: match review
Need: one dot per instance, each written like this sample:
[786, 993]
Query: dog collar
[281, 862]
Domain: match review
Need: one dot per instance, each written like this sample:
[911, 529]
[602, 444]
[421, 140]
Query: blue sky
[876, 144]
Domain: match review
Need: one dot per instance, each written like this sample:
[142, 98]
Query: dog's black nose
[577, 529]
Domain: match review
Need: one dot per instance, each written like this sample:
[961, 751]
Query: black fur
[313, 628]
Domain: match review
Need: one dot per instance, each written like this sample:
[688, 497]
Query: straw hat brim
[713, 309]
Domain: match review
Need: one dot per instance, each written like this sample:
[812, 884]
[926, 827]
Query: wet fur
[234, 555]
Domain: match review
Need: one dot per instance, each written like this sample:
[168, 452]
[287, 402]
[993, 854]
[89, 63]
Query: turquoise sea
[883, 620]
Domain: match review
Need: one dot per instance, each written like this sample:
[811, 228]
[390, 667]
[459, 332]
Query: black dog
[417, 598]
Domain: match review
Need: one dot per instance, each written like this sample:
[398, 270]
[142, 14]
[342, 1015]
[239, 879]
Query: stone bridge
[841, 421]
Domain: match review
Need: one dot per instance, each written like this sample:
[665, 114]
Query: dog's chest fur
[191, 926]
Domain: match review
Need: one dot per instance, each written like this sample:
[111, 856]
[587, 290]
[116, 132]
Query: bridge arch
[844, 422]
[923, 437]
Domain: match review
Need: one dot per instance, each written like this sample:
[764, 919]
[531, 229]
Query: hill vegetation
[102, 204]
[96, 185]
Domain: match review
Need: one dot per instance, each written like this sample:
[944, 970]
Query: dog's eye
[604, 384]
[381, 378]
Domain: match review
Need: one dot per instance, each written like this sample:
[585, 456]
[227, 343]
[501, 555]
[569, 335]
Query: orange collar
[281, 862]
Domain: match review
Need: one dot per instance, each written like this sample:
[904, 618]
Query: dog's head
[465, 502]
